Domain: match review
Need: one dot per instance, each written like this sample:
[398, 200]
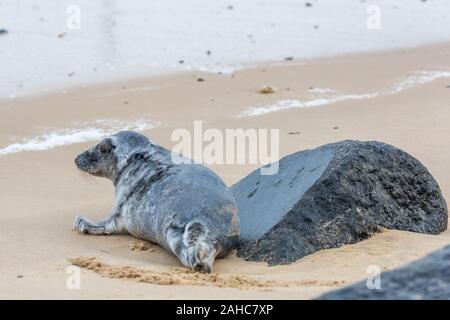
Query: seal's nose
[80, 161]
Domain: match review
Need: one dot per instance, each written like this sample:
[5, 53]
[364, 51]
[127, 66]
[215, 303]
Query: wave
[289, 104]
[419, 78]
[88, 131]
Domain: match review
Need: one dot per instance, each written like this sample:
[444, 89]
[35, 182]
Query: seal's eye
[105, 148]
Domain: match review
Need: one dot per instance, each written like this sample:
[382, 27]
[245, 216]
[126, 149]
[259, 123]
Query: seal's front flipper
[109, 225]
[83, 225]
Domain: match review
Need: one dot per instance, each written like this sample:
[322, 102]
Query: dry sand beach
[400, 96]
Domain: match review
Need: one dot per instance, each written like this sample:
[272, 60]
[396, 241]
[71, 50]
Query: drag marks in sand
[419, 78]
[187, 277]
[139, 245]
[84, 132]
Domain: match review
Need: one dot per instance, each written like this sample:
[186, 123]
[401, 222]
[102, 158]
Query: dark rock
[3, 31]
[428, 278]
[200, 79]
[333, 195]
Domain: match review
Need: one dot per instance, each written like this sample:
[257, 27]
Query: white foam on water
[410, 82]
[290, 104]
[419, 78]
[85, 132]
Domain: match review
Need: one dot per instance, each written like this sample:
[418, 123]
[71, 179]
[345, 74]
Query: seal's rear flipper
[203, 256]
[200, 252]
[193, 233]
[192, 246]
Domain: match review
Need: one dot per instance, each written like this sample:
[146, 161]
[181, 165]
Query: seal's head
[107, 157]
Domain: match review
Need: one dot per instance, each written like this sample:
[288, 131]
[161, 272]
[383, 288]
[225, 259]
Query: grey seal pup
[186, 208]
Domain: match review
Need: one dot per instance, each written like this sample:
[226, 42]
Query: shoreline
[282, 101]
[42, 192]
[158, 76]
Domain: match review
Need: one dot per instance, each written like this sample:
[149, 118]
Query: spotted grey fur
[186, 208]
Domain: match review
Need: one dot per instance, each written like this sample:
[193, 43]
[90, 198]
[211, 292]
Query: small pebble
[200, 79]
[268, 90]
[19, 276]
[3, 31]
[288, 58]
[62, 35]
[181, 61]
[295, 132]
[335, 128]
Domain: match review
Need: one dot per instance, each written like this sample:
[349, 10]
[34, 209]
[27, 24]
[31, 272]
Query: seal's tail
[200, 250]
